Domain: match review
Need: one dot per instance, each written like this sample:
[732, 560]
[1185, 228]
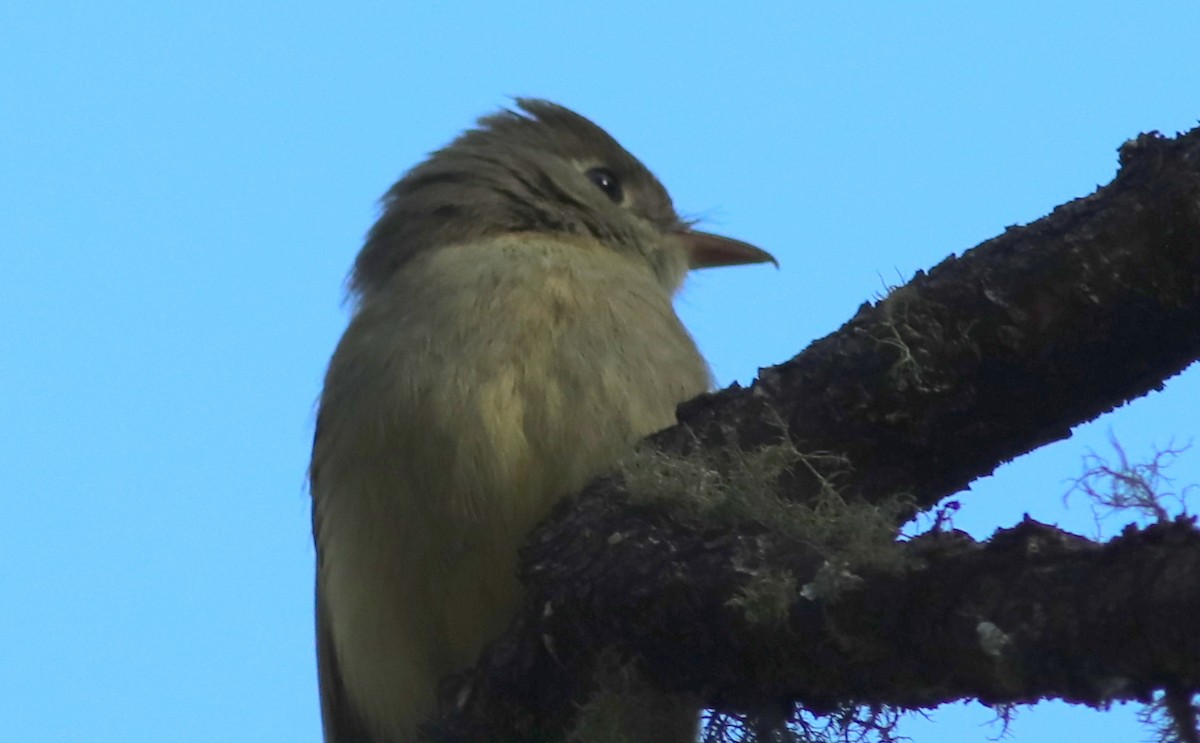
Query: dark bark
[1033, 613]
[998, 352]
[984, 358]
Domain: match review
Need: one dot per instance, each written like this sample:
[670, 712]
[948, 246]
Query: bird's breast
[490, 380]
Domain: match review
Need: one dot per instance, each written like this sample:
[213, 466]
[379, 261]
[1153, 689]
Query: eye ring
[607, 182]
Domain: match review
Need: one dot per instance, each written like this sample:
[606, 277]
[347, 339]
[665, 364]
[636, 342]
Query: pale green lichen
[992, 639]
[767, 598]
[733, 486]
[628, 708]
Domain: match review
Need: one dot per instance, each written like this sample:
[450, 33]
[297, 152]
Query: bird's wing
[341, 723]
[338, 718]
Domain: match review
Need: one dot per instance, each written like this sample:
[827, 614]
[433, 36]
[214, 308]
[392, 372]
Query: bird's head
[543, 169]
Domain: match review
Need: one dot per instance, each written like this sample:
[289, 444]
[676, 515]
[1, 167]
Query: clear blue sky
[184, 185]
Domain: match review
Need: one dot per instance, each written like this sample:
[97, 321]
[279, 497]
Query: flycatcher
[512, 337]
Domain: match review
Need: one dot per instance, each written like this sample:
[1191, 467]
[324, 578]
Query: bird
[512, 336]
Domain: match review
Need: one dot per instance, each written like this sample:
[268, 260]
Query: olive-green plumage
[513, 336]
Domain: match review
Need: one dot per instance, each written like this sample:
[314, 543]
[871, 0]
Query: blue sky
[185, 186]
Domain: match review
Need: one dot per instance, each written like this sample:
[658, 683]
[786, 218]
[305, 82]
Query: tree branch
[1033, 613]
[995, 353]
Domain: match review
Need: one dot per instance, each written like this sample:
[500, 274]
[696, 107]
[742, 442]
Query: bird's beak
[706, 250]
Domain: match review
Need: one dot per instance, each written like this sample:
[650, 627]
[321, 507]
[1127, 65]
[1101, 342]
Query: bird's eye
[607, 182]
